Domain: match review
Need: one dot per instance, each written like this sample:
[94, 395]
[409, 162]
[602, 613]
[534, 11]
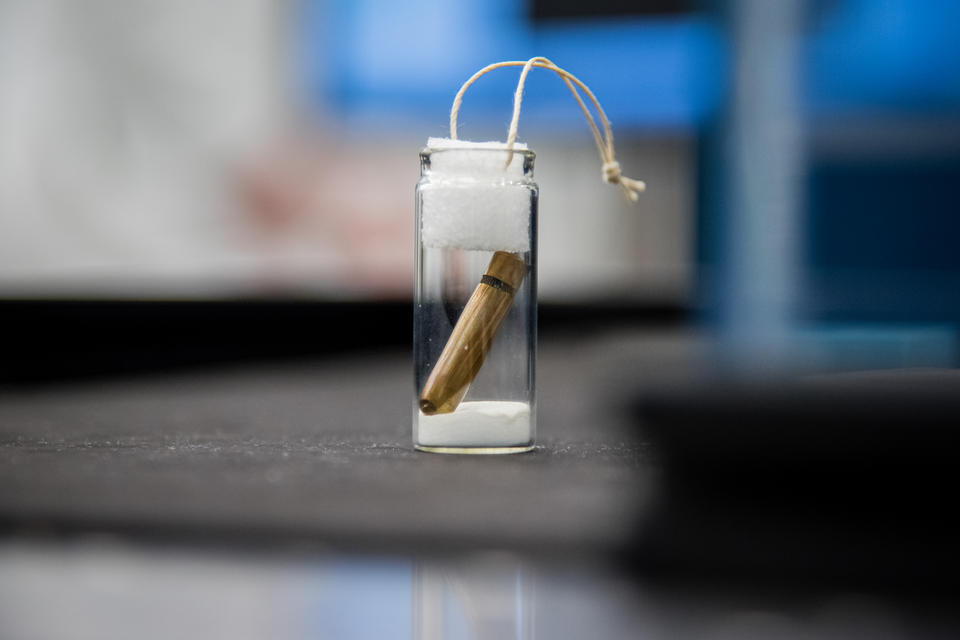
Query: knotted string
[610, 169]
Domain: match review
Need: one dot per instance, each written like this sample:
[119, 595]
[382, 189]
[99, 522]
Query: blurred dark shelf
[50, 340]
[838, 479]
[574, 10]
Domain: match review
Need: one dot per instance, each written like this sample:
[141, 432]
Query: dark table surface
[322, 451]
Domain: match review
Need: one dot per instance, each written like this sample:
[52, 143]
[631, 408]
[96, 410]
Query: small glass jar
[475, 300]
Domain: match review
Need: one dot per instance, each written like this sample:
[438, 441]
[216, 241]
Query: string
[610, 169]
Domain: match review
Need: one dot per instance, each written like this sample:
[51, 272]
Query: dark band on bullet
[497, 283]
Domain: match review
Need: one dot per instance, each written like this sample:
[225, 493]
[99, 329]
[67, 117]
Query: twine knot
[631, 188]
[611, 172]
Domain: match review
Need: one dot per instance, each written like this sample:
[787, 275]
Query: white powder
[471, 201]
[477, 424]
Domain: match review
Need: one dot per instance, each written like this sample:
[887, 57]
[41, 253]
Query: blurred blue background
[381, 65]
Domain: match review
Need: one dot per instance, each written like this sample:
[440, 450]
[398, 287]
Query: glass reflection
[485, 595]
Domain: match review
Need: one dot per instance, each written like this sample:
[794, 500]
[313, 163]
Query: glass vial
[475, 300]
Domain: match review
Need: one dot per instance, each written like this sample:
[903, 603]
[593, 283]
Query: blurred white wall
[119, 125]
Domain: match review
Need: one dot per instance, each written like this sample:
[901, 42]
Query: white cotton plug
[474, 201]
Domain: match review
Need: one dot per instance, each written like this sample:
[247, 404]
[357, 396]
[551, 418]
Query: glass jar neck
[475, 164]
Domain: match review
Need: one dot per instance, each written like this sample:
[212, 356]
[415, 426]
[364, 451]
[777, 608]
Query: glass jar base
[475, 450]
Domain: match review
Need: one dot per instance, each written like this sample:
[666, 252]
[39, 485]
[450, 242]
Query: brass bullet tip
[427, 407]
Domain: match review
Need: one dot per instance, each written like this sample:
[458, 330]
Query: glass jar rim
[524, 153]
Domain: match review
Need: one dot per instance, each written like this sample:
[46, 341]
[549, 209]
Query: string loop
[610, 168]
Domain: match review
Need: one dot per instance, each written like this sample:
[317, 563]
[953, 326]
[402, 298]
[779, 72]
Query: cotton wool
[461, 210]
